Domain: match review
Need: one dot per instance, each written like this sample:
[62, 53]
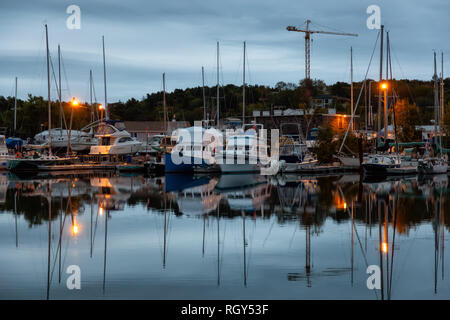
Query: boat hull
[186, 166]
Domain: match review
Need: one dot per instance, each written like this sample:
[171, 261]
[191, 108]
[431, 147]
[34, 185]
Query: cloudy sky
[146, 38]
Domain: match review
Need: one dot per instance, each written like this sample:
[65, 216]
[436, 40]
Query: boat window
[125, 139]
[106, 141]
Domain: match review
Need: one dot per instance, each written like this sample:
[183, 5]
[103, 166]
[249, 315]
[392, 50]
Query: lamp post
[384, 86]
[101, 108]
[74, 104]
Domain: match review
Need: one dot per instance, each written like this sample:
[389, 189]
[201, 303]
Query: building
[143, 129]
[323, 101]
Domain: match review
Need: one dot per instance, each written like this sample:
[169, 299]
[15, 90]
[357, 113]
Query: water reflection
[229, 236]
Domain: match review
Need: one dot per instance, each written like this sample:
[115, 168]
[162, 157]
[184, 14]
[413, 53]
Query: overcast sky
[146, 38]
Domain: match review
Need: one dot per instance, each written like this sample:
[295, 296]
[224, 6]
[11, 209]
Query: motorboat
[243, 152]
[152, 145]
[113, 141]
[432, 166]
[381, 163]
[187, 154]
[80, 140]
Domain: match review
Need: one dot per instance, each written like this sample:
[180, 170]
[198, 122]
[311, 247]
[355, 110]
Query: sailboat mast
[218, 104]
[104, 79]
[442, 99]
[15, 108]
[60, 88]
[243, 89]
[203, 92]
[48, 88]
[436, 101]
[164, 102]
[90, 96]
[386, 96]
[351, 84]
[381, 77]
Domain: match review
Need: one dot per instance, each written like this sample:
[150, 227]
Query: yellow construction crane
[308, 33]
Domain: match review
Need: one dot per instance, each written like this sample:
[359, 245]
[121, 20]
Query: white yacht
[152, 145]
[112, 141]
[80, 140]
[241, 153]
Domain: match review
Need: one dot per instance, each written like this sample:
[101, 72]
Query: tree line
[416, 98]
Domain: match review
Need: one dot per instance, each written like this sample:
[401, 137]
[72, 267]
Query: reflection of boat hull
[238, 181]
[233, 168]
[32, 165]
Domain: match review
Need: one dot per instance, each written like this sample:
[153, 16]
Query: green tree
[407, 117]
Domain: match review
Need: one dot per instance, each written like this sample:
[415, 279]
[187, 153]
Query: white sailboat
[436, 165]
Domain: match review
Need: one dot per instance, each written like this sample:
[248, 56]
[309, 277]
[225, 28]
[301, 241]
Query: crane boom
[308, 33]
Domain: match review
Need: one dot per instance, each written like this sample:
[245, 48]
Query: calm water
[228, 237]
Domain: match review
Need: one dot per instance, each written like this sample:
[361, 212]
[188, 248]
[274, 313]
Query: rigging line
[360, 92]
[65, 76]
[270, 231]
[357, 235]
[54, 76]
[403, 75]
[59, 245]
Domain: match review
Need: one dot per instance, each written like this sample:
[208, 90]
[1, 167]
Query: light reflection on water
[223, 237]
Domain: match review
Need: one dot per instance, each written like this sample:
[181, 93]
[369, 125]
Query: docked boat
[381, 164]
[432, 166]
[294, 154]
[241, 153]
[80, 140]
[152, 145]
[32, 164]
[4, 154]
[113, 141]
[187, 153]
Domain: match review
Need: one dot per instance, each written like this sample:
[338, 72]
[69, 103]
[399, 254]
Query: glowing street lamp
[101, 108]
[384, 86]
[74, 104]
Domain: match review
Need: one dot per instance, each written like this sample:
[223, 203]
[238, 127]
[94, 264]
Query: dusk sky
[146, 38]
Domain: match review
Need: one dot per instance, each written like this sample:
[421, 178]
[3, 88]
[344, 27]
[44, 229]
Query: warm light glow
[75, 102]
[384, 86]
[101, 107]
[384, 247]
[100, 211]
[75, 228]
[345, 205]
